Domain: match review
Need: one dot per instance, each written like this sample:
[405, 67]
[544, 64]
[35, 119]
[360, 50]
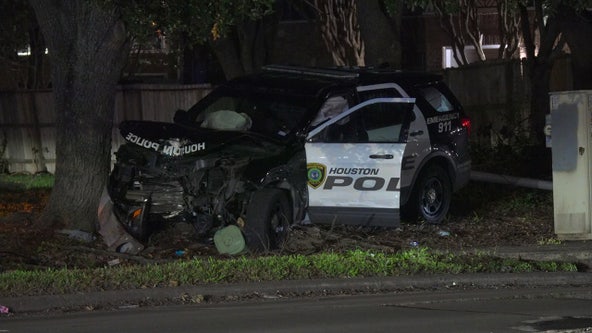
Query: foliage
[460, 20]
[15, 15]
[350, 264]
[19, 31]
[544, 27]
[549, 241]
[197, 20]
[519, 159]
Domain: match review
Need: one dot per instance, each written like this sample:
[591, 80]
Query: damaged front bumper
[114, 234]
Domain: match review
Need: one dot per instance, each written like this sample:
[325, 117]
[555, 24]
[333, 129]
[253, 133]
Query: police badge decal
[316, 173]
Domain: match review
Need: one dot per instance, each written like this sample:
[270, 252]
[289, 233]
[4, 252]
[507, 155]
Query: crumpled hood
[174, 140]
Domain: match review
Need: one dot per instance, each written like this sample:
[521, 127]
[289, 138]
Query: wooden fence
[27, 120]
[495, 96]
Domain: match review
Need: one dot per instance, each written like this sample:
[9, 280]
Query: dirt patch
[481, 216]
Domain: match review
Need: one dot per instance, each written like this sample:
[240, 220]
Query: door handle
[384, 156]
[416, 133]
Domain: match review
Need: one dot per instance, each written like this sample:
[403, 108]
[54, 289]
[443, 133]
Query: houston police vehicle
[288, 144]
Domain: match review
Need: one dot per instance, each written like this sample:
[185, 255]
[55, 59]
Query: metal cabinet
[571, 119]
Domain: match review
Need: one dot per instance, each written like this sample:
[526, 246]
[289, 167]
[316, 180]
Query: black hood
[175, 140]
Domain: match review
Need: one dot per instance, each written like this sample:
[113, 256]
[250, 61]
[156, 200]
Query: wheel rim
[432, 197]
[278, 226]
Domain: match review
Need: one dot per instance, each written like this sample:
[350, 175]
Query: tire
[430, 198]
[269, 216]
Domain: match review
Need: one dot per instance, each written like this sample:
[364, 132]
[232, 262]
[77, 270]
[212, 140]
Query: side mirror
[181, 116]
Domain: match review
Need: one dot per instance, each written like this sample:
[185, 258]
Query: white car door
[354, 163]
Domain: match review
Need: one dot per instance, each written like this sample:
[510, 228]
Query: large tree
[238, 32]
[557, 24]
[544, 26]
[575, 23]
[458, 18]
[246, 47]
[540, 56]
[338, 20]
[508, 27]
[87, 44]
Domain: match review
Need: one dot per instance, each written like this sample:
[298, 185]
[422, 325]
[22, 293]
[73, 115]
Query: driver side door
[354, 163]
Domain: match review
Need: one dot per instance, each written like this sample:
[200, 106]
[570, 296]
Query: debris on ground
[475, 221]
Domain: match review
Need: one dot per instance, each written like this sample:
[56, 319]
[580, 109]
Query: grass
[350, 264]
[23, 181]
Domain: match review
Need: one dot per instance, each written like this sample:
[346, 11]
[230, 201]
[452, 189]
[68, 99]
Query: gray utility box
[571, 119]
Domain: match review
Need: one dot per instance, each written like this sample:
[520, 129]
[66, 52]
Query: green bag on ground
[230, 240]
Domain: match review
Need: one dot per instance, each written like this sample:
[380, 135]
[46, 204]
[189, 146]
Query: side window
[350, 129]
[387, 122]
[379, 122]
[436, 99]
[332, 107]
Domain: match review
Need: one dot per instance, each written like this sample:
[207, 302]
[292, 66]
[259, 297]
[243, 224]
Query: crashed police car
[291, 145]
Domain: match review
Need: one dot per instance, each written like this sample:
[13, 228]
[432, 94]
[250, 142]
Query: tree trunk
[374, 22]
[87, 44]
[35, 70]
[227, 53]
[577, 29]
[540, 74]
[255, 40]
[247, 48]
[539, 66]
[509, 29]
[340, 31]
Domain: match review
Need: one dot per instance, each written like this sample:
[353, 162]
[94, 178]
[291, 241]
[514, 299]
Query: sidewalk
[579, 252]
[569, 251]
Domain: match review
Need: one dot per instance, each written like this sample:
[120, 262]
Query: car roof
[315, 81]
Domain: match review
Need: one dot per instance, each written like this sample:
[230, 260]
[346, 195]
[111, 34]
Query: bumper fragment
[113, 233]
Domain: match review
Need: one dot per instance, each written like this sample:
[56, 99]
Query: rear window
[436, 99]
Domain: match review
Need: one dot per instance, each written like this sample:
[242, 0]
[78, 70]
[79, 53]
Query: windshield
[268, 114]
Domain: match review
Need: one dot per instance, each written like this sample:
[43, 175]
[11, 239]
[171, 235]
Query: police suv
[291, 144]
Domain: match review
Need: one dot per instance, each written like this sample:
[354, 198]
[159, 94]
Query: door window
[377, 121]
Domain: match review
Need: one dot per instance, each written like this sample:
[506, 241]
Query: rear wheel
[431, 196]
[269, 216]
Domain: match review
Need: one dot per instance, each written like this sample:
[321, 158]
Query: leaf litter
[482, 216]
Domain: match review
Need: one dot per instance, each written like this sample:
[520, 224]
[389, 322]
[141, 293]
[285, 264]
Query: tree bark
[509, 29]
[88, 46]
[340, 31]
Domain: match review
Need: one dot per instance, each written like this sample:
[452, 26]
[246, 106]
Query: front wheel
[431, 196]
[269, 216]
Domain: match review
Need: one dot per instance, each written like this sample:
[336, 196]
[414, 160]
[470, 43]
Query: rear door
[354, 163]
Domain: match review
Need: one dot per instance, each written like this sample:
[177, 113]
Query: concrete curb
[576, 252]
[277, 289]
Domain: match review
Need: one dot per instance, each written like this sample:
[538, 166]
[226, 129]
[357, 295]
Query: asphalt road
[560, 309]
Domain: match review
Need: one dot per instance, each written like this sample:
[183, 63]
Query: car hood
[171, 139]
